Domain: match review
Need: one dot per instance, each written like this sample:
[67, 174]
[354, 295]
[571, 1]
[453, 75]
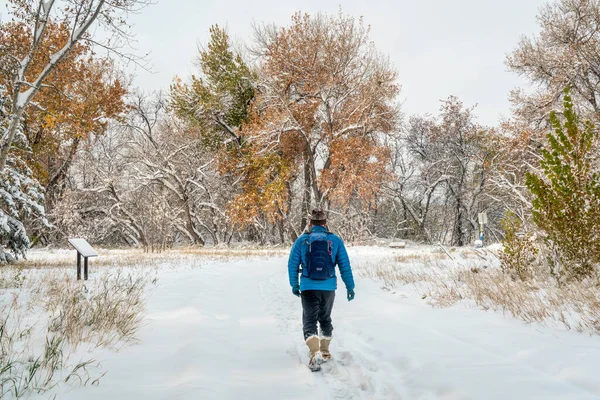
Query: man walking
[318, 251]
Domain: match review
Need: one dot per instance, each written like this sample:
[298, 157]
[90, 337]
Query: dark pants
[316, 307]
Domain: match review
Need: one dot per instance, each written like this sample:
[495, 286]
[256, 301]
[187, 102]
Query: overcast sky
[438, 47]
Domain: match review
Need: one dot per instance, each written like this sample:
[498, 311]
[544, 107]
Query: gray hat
[318, 217]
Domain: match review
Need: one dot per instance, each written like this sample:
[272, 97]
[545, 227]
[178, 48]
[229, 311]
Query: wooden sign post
[85, 250]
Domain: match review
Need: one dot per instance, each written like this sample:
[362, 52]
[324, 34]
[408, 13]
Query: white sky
[439, 47]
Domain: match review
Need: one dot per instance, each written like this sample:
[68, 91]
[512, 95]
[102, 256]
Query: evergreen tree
[218, 99]
[21, 196]
[566, 203]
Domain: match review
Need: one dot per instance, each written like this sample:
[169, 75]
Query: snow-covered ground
[231, 329]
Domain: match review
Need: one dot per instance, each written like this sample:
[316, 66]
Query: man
[318, 251]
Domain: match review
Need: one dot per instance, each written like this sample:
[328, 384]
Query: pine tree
[566, 203]
[21, 196]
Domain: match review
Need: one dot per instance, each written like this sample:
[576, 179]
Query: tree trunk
[215, 227]
[281, 228]
[190, 224]
[55, 187]
[286, 216]
[8, 139]
[313, 178]
[306, 198]
[459, 238]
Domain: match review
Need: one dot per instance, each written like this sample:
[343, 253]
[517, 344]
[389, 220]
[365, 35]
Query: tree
[419, 178]
[39, 38]
[20, 196]
[80, 96]
[148, 183]
[168, 156]
[564, 53]
[326, 98]
[217, 101]
[78, 16]
[566, 195]
[443, 173]
[464, 144]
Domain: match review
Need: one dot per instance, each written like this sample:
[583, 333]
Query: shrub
[519, 253]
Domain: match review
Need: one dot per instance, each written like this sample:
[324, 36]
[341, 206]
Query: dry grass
[190, 256]
[474, 279]
[575, 306]
[105, 311]
[47, 316]
[393, 275]
[393, 278]
[426, 259]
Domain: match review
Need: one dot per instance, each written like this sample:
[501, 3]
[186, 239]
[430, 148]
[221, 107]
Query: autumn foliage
[79, 97]
[306, 116]
[325, 100]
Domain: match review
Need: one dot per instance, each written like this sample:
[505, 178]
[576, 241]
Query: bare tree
[565, 53]
[151, 183]
[443, 167]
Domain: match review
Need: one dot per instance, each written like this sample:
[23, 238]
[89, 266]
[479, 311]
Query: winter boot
[314, 355]
[325, 341]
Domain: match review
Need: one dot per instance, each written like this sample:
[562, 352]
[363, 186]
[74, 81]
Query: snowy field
[227, 327]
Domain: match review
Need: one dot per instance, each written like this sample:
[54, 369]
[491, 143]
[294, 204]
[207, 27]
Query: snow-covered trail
[233, 330]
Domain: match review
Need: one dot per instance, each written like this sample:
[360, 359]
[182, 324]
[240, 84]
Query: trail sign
[85, 250]
[483, 218]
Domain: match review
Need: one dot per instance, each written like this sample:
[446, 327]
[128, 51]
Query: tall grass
[46, 317]
[473, 279]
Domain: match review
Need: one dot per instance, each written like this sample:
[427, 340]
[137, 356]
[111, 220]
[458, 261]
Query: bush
[519, 253]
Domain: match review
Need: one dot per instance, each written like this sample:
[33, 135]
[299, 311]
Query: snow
[83, 247]
[232, 329]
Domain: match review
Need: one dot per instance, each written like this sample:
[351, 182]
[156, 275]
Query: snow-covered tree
[149, 183]
[21, 196]
[565, 52]
[325, 99]
[442, 169]
[81, 96]
[169, 156]
[37, 15]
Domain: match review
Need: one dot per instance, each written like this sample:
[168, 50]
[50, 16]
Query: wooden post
[78, 266]
[85, 268]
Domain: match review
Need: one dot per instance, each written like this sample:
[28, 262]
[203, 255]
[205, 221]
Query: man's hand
[350, 294]
[296, 290]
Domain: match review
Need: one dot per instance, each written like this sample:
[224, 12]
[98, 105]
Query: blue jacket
[339, 256]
